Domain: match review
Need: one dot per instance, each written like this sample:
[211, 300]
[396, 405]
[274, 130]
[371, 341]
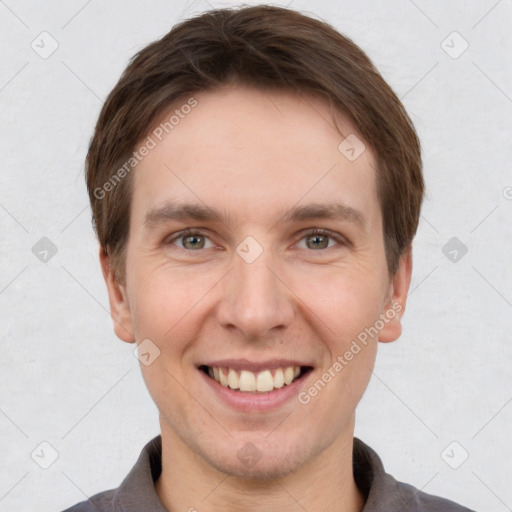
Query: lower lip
[255, 402]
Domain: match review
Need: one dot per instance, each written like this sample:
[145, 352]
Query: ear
[119, 307]
[394, 307]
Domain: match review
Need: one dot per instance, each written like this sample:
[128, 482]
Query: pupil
[323, 244]
[192, 238]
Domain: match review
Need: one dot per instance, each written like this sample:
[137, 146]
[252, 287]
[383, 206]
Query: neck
[326, 483]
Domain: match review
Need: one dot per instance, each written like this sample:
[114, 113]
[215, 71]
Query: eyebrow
[188, 211]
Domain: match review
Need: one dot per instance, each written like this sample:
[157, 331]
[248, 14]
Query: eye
[319, 239]
[191, 240]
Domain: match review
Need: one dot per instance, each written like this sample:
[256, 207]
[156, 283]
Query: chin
[267, 462]
[262, 471]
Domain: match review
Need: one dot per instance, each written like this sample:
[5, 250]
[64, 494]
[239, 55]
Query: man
[256, 187]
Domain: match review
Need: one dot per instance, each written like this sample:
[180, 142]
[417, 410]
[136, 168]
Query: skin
[254, 155]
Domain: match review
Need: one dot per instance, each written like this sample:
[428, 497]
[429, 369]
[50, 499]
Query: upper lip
[254, 366]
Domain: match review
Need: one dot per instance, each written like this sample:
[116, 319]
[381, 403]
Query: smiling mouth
[256, 382]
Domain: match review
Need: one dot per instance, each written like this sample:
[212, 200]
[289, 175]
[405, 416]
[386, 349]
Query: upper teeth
[249, 381]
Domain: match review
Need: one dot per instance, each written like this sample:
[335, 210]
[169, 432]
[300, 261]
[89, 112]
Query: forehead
[254, 151]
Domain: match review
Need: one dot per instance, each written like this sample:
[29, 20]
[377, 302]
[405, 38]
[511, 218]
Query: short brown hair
[266, 47]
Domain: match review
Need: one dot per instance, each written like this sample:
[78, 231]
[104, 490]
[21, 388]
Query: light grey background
[68, 381]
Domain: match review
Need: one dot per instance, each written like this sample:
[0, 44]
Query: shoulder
[101, 502]
[414, 500]
[384, 493]
[136, 491]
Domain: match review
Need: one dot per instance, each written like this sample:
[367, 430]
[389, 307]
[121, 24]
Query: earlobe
[395, 305]
[119, 306]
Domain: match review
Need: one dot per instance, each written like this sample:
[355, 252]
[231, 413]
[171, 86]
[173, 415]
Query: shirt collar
[137, 491]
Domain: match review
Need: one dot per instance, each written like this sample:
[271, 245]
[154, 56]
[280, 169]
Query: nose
[255, 298]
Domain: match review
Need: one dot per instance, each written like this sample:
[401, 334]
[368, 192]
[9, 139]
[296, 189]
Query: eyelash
[342, 241]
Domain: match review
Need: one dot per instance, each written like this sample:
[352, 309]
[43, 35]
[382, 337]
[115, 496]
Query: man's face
[256, 289]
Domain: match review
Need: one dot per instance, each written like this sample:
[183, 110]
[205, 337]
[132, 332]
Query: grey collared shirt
[383, 493]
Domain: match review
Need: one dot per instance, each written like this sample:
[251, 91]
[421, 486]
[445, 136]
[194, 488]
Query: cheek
[165, 310]
[345, 307]
[345, 300]
[165, 301]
